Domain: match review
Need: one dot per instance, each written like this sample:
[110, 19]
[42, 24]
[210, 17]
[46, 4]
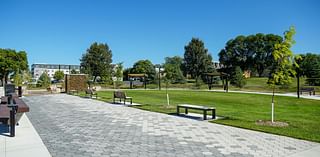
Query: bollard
[13, 108]
[19, 91]
[12, 122]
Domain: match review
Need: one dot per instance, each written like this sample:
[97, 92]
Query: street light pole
[159, 78]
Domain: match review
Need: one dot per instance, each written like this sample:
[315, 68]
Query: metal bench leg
[178, 110]
[186, 111]
[204, 114]
[213, 114]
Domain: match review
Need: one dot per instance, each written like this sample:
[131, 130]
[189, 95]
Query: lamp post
[159, 76]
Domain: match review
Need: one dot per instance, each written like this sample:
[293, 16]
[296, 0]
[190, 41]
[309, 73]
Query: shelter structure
[223, 76]
[143, 77]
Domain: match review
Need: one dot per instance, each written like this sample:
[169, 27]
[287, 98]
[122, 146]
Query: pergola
[224, 77]
[143, 76]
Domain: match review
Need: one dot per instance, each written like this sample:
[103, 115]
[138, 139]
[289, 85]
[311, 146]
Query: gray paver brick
[72, 126]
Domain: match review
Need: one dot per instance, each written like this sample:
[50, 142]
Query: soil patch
[274, 124]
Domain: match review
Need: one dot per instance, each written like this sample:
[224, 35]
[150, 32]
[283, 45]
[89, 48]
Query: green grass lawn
[252, 84]
[240, 110]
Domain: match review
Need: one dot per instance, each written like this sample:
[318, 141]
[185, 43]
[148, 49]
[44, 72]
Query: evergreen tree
[196, 58]
[172, 69]
[44, 80]
[237, 78]
[97, 61]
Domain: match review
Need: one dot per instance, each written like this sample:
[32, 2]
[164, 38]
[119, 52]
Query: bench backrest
[89, 91]
[307, 88]
[119, 94]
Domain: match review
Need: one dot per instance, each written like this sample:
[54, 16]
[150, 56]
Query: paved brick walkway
[73, 127]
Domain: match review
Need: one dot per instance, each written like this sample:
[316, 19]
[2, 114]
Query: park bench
[91, 92]
[196, 107]
[12, 112]
[310, 90]
[121, 95]
[73, 92]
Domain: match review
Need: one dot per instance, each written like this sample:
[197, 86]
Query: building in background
[217, 65]
[38, 69]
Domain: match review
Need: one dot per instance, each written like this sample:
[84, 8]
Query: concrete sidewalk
[26, 143]
[306, 96]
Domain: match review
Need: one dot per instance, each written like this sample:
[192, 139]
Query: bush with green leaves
[44, 80]
[237, 78]
[58, 75]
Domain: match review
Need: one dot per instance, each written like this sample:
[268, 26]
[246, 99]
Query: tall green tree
[196, 58]
[12, 62]
[235, 54]
[253, 52]
[144, 67]
[172, 69]
[283, 66]
[58, 75]
[262, 48]
[97, 61]
[310, 66]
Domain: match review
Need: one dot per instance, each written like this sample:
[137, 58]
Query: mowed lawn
[240, 110]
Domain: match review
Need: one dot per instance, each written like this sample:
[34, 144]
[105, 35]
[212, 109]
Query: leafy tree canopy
[253, 52]
[173, 71]
[58, 75]
[44, 79]
[144, 67]
[97, 61]
[310, 67]
[196, 58]
[12, 62]
[237, 78]
[283, 69]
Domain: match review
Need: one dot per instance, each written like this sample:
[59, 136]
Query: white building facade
[38, 69]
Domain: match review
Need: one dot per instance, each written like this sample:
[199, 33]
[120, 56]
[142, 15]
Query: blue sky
[60, 31]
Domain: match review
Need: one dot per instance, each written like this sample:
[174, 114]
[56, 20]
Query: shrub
[237, 78]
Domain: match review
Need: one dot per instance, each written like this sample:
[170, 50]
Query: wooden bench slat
[4, 114]
[195, 106]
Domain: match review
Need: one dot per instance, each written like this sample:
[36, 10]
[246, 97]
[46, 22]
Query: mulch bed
[274, 124]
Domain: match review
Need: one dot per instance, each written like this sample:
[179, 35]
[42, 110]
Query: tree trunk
[260, 70]
[6, 79]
